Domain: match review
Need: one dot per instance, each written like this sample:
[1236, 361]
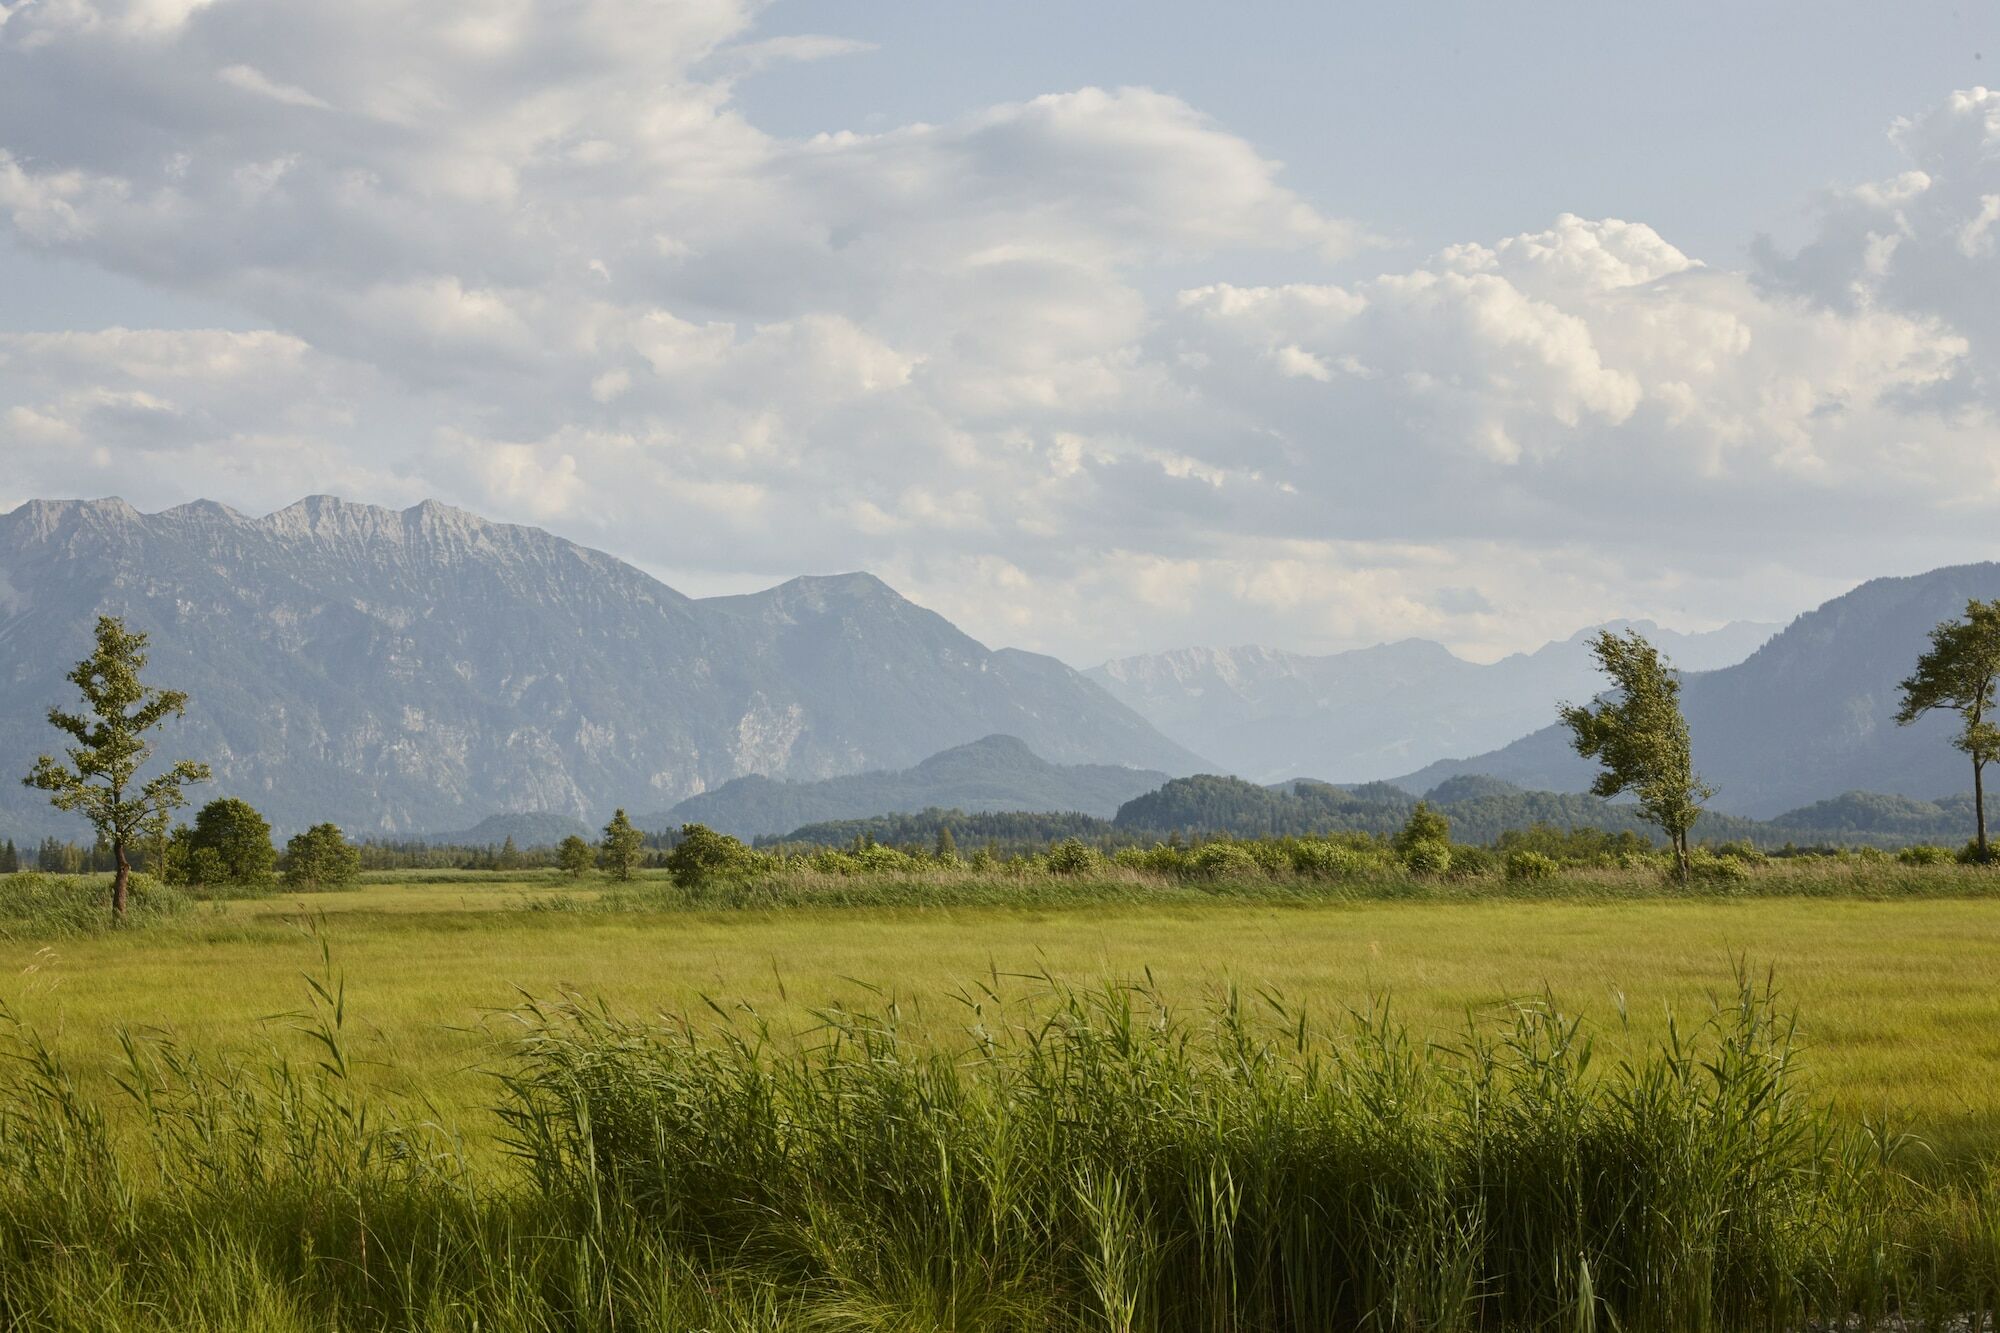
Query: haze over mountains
[1808, 716]
[1269, 715]
[421, 670]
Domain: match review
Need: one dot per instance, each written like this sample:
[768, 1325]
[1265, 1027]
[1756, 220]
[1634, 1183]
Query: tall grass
[1085, 1159]
[1032, 885]
[39, 906]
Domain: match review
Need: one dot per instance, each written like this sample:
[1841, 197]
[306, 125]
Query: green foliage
[703, 857]
[1725, 872]
[1107, 1162]
[320, 858]
[618, 853]
[39, 906]
[1924, 855]
[575, 856]
[1640, 738]
[229, 844]
[1426, 824]
[100, 779]
[1528, 867]
[1211, 804]
[1958, 674]
[1223, 860]
[1072, 857]
[1005, 832]
[1325, 859]
[945, 850]
[1427, 857]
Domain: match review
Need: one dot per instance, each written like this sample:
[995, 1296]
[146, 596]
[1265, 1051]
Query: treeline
[1483, 811]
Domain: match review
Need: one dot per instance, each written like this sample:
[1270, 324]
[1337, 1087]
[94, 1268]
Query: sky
[1099, 326]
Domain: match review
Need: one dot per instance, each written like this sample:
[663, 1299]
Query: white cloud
[532, 258]
[251, 80]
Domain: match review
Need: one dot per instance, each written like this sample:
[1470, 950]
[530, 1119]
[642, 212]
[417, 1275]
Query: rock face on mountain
[1348, 717]
[996, 773]
[422, 669]
[1808, 716]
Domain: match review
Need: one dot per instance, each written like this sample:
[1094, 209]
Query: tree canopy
[1957, 674]
[1639, 736]
[100, 779]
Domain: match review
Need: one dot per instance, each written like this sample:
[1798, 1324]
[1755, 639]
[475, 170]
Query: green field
[459, 1101]
[1898, 1001]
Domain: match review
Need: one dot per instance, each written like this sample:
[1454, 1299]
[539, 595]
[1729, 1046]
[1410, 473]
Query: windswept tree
[1637, 733]
[1958, 675]
[619, 852]
[101, 779]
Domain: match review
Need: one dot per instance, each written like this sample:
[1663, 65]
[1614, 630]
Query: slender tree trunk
[121, 880]
[1682, 860]
[1979, 802]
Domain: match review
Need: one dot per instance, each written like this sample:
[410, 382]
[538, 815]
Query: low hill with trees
[991, 774]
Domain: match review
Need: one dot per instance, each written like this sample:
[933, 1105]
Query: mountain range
[991, 774]
[400, 671]
[1268, 715]
[424, 669]
[1808, 716]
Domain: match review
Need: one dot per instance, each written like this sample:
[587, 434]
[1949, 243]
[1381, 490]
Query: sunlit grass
[1900, 1008]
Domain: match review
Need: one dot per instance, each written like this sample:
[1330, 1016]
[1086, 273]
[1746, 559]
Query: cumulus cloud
[533, 259]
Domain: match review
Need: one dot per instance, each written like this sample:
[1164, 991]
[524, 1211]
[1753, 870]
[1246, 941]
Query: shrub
[1329, 860]
[1071, 856]
[1922, 854]
[1219, 860]
[1969, 855]
[1159, 859]
[1531, 868]
[1471, 862]
[873, 856]
[1740, 851]
[1427, 857]
[1705, 867]
[703, 856]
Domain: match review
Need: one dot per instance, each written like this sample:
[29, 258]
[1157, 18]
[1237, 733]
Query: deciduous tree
[321, 858]
[1958, 674]
[230, 843]
[101, 779]
[1640, 737]
[573, 854]
[702, 856]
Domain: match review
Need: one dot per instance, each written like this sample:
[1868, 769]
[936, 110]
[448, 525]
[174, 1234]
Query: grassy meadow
[525, 1103]
[1899, 1000]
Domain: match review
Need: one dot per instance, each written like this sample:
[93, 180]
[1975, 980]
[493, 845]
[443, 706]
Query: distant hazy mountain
[424, 669]
[1807, 717]
[1347, 717]
[997, 773]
